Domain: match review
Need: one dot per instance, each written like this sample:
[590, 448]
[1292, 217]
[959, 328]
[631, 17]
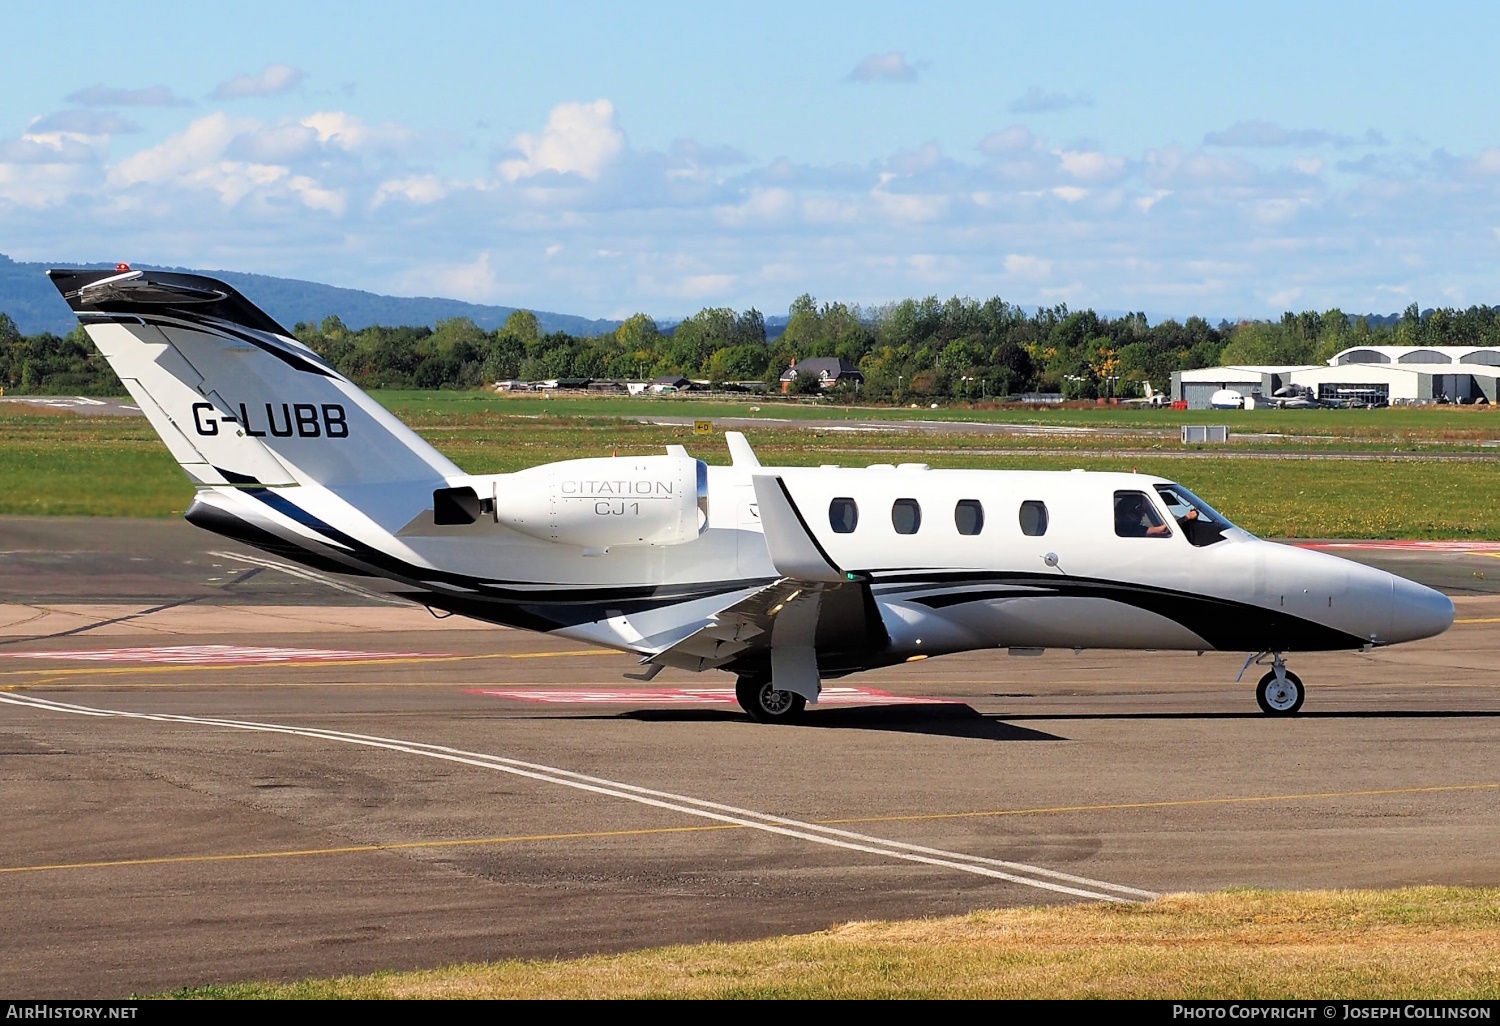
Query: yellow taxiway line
[56, 674]
[706, 828]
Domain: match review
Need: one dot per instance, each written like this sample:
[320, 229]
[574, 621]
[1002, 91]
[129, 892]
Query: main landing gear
[1280, 692]
[758, 697]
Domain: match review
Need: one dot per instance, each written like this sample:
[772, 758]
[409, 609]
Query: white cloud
[830, 210]
[910, 207]
[697, 286]
[1014, 139]
[49, 149]
[475, 281]
[82, 123]
[202, 141]
[1028, 266]
[912, 162]
[418, 189]
[576, 220]
[580, 138]
[316, 197]
[39, 185]
[1145, 203]
[229, 157]
[884, 67]
[1091, 166]
[273, 80]
[762, 206]
[347, 132]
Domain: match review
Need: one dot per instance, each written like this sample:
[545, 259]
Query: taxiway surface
[210, 775]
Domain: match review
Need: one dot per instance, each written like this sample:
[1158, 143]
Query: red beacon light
[122, 268]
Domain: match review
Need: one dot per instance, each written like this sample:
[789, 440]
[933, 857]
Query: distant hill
[31, 301]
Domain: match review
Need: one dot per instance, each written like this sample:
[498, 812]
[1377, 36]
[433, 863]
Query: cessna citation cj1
[783, 576]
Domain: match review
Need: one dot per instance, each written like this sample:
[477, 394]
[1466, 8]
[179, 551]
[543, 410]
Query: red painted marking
[222, 655]
[1413, 546]
[685, 696]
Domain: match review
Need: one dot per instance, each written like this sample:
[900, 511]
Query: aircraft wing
[814, 616]
[734, 630]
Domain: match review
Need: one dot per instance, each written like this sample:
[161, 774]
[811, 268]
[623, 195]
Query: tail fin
[233, 395]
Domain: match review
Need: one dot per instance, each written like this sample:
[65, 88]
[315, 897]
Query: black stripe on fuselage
[512, 603]
[1226, 624]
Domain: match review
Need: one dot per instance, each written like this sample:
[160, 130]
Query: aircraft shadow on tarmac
[945, 720]
[1350, 714]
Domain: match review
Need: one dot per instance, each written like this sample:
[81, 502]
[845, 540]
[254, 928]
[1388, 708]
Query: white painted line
[686, 805]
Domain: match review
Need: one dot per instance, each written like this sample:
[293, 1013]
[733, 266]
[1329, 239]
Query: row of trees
[959, 348]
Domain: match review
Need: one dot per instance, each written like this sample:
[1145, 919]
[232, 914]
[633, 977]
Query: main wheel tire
[765, 704]
[1278, 699]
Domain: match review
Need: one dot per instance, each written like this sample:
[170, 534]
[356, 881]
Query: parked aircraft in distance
[783, 576]
[1153, 398]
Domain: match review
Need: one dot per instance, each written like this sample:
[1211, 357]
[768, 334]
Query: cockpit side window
[1201, 524]
[1136, 517]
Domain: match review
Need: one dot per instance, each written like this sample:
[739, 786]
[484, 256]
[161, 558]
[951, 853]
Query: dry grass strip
[1429, 942]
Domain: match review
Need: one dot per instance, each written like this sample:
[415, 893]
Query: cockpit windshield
[1200, 522]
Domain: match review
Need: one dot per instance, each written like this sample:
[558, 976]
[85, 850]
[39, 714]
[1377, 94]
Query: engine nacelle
[598, 503]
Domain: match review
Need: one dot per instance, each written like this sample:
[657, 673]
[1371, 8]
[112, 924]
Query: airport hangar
[1361, 375]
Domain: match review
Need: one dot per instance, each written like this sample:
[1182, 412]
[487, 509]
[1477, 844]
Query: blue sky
[602, 159]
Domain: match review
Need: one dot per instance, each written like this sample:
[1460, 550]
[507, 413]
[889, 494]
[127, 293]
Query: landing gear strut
[1280, 692]
[759, 697]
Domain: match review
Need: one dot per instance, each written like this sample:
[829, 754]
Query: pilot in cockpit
[1135, 517]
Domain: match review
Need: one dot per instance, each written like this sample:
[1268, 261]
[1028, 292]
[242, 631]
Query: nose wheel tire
[1280, 697]
[758, 697]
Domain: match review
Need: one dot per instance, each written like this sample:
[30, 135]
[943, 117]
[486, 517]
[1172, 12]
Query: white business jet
[784, 576]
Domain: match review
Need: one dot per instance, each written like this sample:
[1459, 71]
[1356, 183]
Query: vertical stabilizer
[233, 395]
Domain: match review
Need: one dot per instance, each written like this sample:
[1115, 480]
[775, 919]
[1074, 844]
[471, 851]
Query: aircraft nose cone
[1418, 611]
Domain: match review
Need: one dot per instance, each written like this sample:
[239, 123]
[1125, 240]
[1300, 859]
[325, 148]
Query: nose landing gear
[1280, 692]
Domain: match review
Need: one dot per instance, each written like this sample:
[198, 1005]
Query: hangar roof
[1241, 372]
[1480, 355]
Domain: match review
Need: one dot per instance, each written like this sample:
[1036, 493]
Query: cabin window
[1033, 518]
[843, 516]
[1137, 517]
[906, 516]
[968, 516]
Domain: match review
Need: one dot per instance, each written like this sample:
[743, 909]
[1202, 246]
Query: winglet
[795, 550]
[740, 454]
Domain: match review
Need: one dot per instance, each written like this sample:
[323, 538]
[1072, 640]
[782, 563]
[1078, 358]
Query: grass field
[61, 463]
[1477, 422]
[1413, 943]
